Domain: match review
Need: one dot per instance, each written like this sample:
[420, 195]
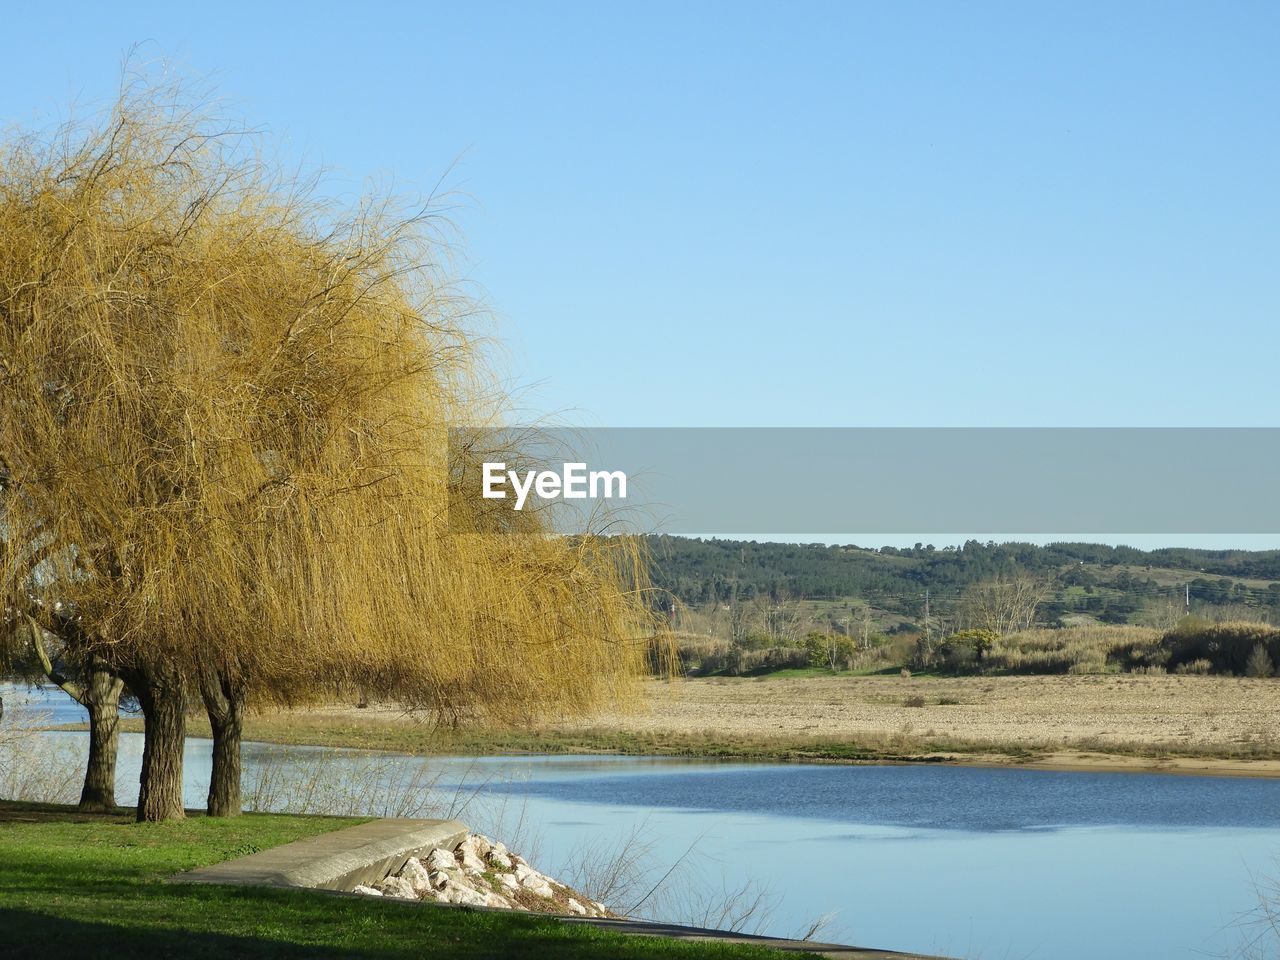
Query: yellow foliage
[223, 416]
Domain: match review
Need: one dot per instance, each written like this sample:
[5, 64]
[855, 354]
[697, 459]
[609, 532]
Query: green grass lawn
[94, 886]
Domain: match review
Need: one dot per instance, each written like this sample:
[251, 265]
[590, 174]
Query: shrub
[787, 658]
[737, 662]
[1259, 663]
[959, 659]
[1228, 647]
[914, 701]
[1198, 667]
[831, 651]
[1083, 649]
[978, 640]
[962, 652]
[901, 647]
[924, 654]
[696, 655]
[1083, 667]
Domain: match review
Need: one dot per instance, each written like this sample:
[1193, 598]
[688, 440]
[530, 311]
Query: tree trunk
[163, 698]
[224, 697]
[101, 697]
[102, 700]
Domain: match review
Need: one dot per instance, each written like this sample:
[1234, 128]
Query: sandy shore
[1189, 725]
[1218, 714]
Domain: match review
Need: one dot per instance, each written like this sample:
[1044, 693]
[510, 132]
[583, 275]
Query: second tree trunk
[224, 696]
[163, 697]
[102, 700]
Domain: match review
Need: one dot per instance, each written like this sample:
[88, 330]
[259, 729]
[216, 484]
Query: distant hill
[1109, 584]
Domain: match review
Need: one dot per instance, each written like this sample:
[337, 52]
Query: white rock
[531, 879]
[508, 881]
[457, 876]
[599, 906]
[439, 879]
[539, 886]
[397, 887]
[465, 895]
[470, 863]
[441, 859]
[417, 875]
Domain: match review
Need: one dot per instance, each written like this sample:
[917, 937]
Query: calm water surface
[959, 861]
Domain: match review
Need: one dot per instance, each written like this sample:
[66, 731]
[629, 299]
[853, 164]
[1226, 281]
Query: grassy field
[95, 886]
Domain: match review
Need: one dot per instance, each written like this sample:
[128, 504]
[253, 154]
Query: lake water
[957, 861]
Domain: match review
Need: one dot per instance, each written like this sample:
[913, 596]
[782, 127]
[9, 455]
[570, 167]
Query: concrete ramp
[366, 853]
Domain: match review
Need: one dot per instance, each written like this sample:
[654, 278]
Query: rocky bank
[482, 873]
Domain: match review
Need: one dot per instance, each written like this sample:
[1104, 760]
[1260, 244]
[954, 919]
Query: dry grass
[1204, 713]
[631, 874]
[34, 772]
[1083, 649]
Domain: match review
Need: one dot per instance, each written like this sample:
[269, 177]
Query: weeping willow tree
[224, 407]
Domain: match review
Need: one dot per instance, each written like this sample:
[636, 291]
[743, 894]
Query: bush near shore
[1194, 646]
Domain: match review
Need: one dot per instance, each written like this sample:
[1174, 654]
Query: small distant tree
[780, 616]
[1259, 663]
[1004, 605]
[963, 651]
[865, 627]
[925, 652]
[739, 621]
[831, 651]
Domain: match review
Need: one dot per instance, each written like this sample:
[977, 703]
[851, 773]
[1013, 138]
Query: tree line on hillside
[1092, 579]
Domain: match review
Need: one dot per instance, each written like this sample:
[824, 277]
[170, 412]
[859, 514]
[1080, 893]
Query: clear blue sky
[791, 214]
